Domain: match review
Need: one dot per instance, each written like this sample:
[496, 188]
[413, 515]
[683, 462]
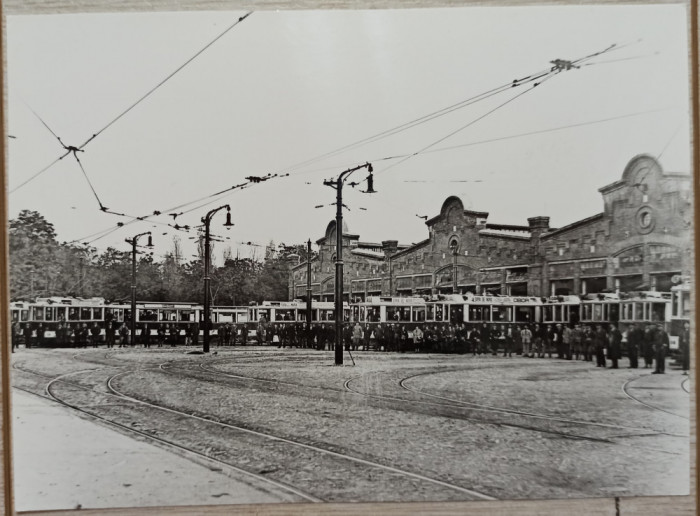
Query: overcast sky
[284, 87]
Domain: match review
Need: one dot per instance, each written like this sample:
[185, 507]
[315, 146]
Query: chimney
[538, 225]
[390, 247]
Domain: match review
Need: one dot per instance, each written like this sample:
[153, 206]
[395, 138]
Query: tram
[470, 308]
[378, 309]
[680, 312]
[294, 311]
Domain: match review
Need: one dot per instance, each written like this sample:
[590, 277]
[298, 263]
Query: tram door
[574, 314]
[456, 314]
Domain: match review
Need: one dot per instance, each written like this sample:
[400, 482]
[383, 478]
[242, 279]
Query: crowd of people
[601, 342]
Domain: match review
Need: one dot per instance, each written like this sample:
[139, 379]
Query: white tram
[470, 308]
[378, 309]
[294, 311]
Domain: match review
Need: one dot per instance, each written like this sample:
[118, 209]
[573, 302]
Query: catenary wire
[132, 106]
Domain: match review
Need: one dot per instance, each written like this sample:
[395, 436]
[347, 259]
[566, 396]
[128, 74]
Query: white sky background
[283, 87]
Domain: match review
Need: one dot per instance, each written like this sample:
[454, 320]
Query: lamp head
[150, 242]
[370, 182]
[228, 222]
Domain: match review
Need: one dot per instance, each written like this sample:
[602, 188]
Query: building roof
[573, 225]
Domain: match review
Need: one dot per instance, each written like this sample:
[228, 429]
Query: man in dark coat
[684, 346]
[614, 345]
[660, 343]
[648, 347]
[635, 338]
[600, 340]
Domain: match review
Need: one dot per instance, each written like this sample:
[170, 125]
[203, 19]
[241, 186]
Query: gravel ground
[460, 426]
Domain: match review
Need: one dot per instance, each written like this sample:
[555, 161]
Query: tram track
[437, 405]
[489, 408]
[452, 402]
[685, 385]
[55, 383]
[626, 387]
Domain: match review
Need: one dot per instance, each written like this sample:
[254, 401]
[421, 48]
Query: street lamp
[133, 241]
[206, 220]
[338, 185]
[454, 249]
[308, 293]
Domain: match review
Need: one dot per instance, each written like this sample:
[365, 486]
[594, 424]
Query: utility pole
[133, 241]
[454, 247]
[308, 293]
[338, 185]
[207, 220]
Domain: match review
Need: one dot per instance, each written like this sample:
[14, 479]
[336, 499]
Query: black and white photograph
[317, 256]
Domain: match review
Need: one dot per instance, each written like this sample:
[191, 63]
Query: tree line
[41, 266]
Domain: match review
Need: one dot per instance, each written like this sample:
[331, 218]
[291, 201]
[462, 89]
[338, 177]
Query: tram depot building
[640, 242]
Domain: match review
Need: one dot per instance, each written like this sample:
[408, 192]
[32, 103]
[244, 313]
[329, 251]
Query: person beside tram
[635, 341]
[660, 342]
[526, 337]
[684, 347]
[614, 345]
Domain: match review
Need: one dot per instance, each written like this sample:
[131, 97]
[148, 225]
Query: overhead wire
[132, 106]
[463, 127]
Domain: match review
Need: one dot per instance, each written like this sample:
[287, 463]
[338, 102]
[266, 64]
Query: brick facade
[640, 241]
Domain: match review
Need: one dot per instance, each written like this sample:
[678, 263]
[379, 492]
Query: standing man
[15, 336]
[660, 343]
[600, 339]
[683, 344]
[635, 337]
[566, 335]
[614, 345]
[526, 337]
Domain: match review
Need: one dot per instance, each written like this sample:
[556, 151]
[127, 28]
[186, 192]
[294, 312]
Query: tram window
[418, 313]
[24, 315]
[373, 314]
[479, 313]
[597, 312]
[626, 315]
[438, 313]
[502, 314]
[685, 304]
[430, 313]
[148, 315]
[15, 316]
[658, 311]
[73, 314]
[356, 313]
[48, 313]
[85, 314]
[264, 312]
[523, 314]
[97, 314]
[614, 313]
[363, 314]
[548, 315]
[39, 313]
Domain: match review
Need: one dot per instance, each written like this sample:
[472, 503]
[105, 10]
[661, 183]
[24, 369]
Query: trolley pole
[308, 293]
[133, 241]
[338, 185]
[207, 259]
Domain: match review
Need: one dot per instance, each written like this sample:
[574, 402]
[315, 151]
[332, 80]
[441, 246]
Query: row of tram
[670, 309]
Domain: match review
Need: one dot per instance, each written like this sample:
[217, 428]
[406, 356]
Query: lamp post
[308, 293]
[207, 220]
[338, 185]
[454, 249]
[133, 241]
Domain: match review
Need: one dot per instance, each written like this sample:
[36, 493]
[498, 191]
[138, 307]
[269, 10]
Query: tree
[33, 254]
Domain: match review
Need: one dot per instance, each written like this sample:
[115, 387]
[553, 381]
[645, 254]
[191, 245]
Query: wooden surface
[651, 506]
